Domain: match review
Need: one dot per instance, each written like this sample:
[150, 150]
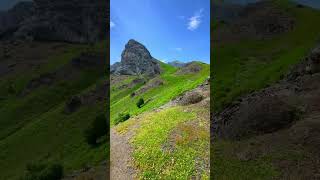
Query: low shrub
[140, 103]
[98, 128]
[122, 117]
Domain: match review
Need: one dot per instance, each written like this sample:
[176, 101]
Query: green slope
[173, 86]
[35, 128]
[156, 128]
[245, 66]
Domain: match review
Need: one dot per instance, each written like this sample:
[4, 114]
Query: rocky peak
[135, 60]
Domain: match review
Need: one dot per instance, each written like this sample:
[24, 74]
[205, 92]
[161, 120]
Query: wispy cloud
[112, 24]
[195, 20]
[178, 49]
[164, 60]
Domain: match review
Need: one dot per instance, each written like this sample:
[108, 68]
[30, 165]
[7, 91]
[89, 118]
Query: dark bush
[140, 103]
[11, 89]
[98, 128]
[43, 171]
[122, 117]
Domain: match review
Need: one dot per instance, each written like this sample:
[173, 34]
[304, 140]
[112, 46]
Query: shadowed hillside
[264, 98]
[51, 93]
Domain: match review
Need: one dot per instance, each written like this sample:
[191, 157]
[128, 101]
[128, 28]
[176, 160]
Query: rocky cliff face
[135, 60]
[77, 21]
[10, 20]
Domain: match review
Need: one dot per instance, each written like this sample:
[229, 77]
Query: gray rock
[10, 20]
[177, 64]
[136, 60]
[76, 21]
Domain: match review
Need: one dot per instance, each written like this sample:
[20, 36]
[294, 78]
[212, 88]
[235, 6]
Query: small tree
[140, 103]
[98, 128]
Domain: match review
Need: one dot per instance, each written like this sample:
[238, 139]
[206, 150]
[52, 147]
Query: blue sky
[170, 29]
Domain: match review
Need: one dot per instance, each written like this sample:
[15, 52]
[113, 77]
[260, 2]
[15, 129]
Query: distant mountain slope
[258, 123]
[177, 64]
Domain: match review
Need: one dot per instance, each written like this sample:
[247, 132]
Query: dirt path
[121, 166]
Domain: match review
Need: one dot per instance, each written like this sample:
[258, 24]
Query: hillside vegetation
[240, 69]
[170, 142]
[37, 124]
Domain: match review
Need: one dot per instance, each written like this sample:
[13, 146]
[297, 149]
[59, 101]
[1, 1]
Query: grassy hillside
[173, 85]
[33, 125]
[245, 66]
[169, 143]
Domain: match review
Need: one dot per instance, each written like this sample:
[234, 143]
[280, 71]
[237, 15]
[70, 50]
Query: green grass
[227, 166]
[174, 85]
[155, 127]
[35, 128]
[152, 161]
[250, 65]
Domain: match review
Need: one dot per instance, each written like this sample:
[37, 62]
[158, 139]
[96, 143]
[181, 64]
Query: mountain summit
[135, 60]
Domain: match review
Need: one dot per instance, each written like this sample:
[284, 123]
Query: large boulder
[136, 60]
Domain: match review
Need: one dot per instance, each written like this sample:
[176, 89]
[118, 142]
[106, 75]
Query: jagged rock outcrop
[135, 60]
[77, 21]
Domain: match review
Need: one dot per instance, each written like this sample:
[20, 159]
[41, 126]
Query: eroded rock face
[77, 21]
[10, 20]
[136, 60]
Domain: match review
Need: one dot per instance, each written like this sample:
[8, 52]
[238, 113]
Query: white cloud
[112, 24]
[178, 49]
[195, 20]
[164, 60]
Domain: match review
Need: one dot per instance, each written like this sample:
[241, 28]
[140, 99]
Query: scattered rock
[154, 83]
[43, 80]
[132, 84]
[99, 94]
[73, 104]
[190, 68]
[192, 97]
